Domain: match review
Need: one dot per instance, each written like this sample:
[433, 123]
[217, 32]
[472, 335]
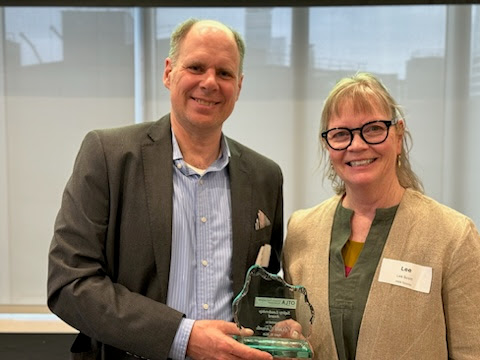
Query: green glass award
[279, 314]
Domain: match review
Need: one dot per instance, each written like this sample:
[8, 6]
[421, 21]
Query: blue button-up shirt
[200, 283]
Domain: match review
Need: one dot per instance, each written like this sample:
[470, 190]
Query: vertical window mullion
[5, 281]
[457, 65]
[139, 63]
[145, 64]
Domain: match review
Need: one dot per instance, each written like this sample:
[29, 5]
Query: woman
[391, 273]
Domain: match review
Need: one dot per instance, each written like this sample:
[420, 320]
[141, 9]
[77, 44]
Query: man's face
[204, 81]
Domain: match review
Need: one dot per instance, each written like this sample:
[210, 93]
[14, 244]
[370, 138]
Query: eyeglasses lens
[372, 133]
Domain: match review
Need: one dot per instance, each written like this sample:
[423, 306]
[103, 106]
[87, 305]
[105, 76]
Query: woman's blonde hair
[366, 94]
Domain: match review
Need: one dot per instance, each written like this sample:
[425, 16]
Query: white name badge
[405, 274]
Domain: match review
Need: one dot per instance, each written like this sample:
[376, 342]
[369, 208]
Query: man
[160, 221]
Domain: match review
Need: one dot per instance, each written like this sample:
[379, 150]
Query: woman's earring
[399, 161]
[331, 172]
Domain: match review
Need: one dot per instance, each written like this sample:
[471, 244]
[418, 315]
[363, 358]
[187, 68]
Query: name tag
[406, 274]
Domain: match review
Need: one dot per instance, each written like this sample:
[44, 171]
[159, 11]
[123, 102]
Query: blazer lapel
[376, 309]
[157, 164]
[242, 218]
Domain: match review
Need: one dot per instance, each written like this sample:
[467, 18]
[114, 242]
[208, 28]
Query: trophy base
[278, 347]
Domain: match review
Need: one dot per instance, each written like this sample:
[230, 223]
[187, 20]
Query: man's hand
[287, 329]
[212, 340]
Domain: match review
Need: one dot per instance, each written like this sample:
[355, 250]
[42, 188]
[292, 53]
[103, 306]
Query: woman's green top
[348, 295]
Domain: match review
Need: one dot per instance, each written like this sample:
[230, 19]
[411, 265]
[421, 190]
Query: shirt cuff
[179, 346]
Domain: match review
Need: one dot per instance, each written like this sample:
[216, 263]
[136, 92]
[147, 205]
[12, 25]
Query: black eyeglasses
[373, 132]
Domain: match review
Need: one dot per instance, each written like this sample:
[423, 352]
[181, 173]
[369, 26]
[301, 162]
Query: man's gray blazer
[109, 258]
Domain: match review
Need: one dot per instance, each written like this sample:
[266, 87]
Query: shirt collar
[219, 164]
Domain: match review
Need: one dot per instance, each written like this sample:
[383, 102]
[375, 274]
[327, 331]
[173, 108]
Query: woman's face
[362, 165]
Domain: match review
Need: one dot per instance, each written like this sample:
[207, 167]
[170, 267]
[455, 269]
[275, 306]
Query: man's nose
[209, 80]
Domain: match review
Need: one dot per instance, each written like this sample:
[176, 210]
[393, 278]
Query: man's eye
[195, 68]
[225, 74]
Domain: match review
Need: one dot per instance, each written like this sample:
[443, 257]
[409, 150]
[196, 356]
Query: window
[65, 71]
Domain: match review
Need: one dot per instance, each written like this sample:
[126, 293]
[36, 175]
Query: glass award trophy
[279, 314]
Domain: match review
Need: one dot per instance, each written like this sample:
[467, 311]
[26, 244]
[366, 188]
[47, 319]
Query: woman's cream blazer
[398, 322]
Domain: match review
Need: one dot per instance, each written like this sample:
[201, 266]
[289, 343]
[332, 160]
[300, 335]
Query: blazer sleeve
[461, 294]
[83, 279]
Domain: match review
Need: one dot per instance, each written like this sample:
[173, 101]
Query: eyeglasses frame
[387, 123]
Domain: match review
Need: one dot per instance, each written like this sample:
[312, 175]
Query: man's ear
[166, 72]
[240, 81]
